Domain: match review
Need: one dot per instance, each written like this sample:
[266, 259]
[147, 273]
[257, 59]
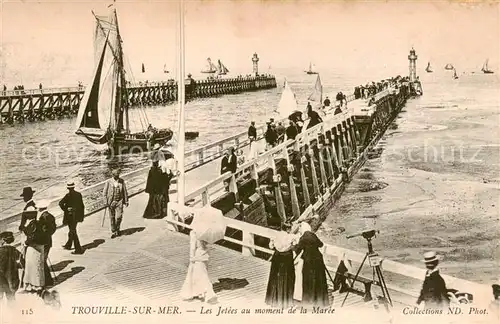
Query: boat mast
[181, 94]
[122, 101]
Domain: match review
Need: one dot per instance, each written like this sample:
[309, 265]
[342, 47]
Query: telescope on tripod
[374, 260]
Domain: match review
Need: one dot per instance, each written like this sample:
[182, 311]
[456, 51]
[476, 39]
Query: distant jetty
[52, 103]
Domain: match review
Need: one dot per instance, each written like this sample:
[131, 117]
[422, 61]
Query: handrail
[480, 291]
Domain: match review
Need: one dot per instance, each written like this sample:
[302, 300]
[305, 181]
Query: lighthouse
[413, 65]
[255, 60]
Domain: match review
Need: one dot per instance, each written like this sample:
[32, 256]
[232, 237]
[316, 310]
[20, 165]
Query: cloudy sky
[52, 40]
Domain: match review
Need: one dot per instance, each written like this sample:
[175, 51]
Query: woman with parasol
[280, 287]
[207, 227]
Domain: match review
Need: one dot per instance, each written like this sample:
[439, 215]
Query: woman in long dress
[280, 286]
[34, 271]
[155, 187]
[197, 283]
[314, 285]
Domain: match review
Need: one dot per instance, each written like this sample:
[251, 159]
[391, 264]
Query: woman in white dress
[197, 283]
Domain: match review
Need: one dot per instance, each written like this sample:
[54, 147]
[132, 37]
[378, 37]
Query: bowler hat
[27, 191]
[430, 257]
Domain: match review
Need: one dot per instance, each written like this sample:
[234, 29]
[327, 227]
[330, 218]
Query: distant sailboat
[317, 95]
[485, 68]
[211, 68]
[455, 76]
[288, 103]
[165, 69]
[310, 71]
[143, 69]
[449, 67]
[428, 69]
[221, 69]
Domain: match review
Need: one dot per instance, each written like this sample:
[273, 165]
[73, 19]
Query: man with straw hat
[74, 211]
[434, 292]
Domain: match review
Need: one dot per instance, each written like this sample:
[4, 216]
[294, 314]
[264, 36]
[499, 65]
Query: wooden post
[200, 158]
[314, 177]
[322, 169]
[205, 199]
[329, 162]
[305, 189]
[247, 238]
[293, 191]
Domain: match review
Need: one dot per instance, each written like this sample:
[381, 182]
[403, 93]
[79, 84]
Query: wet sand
[432, 183]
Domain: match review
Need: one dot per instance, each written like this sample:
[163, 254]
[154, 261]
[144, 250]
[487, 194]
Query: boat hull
[488, 72]
[138, 143]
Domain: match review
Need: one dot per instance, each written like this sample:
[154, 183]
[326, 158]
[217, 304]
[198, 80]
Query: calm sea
[435, 185]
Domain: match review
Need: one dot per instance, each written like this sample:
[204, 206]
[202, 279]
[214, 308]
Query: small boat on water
[449, 67]
[222, 69]
[428, 69]
[103, 115]
[485, 68]
[317, 95]
[310, 71]
[455, 76]
[211, 68]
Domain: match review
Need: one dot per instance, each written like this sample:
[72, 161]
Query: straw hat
[42, 204]
[70, 184]
[156, 146]
[430, 256]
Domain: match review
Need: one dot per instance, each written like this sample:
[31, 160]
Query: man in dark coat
[229, 162]
[434, 292]
[10, 261]
[74, 210]
[291, 131]
[271, 136]
[29, 211]
[326, 103]
[252, 132]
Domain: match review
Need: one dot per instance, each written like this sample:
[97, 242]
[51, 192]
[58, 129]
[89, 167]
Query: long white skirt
[297, 292]
[34, 273]
[197, 282]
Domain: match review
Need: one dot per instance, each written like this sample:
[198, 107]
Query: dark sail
[90, 118]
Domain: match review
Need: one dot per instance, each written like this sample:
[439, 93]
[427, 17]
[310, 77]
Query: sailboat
[165, 69]
[317, 95]
[288, 102]
[310, 71]
[143, 68]
[211, 68]
[455, 76]
[428, 69]
[222, 69]
[449, 67]
[103, 115]
[485, 68]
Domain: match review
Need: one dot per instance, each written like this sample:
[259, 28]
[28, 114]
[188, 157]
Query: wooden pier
[147, 265]
[40, 104]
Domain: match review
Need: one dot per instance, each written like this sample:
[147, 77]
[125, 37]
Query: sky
[52, 40]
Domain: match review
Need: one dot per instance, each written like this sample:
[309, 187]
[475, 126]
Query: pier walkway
[147, 264]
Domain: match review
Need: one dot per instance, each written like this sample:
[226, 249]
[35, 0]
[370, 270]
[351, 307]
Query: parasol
[209, 224]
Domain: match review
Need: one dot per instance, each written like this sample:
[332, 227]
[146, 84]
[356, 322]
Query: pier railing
[408, 278]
